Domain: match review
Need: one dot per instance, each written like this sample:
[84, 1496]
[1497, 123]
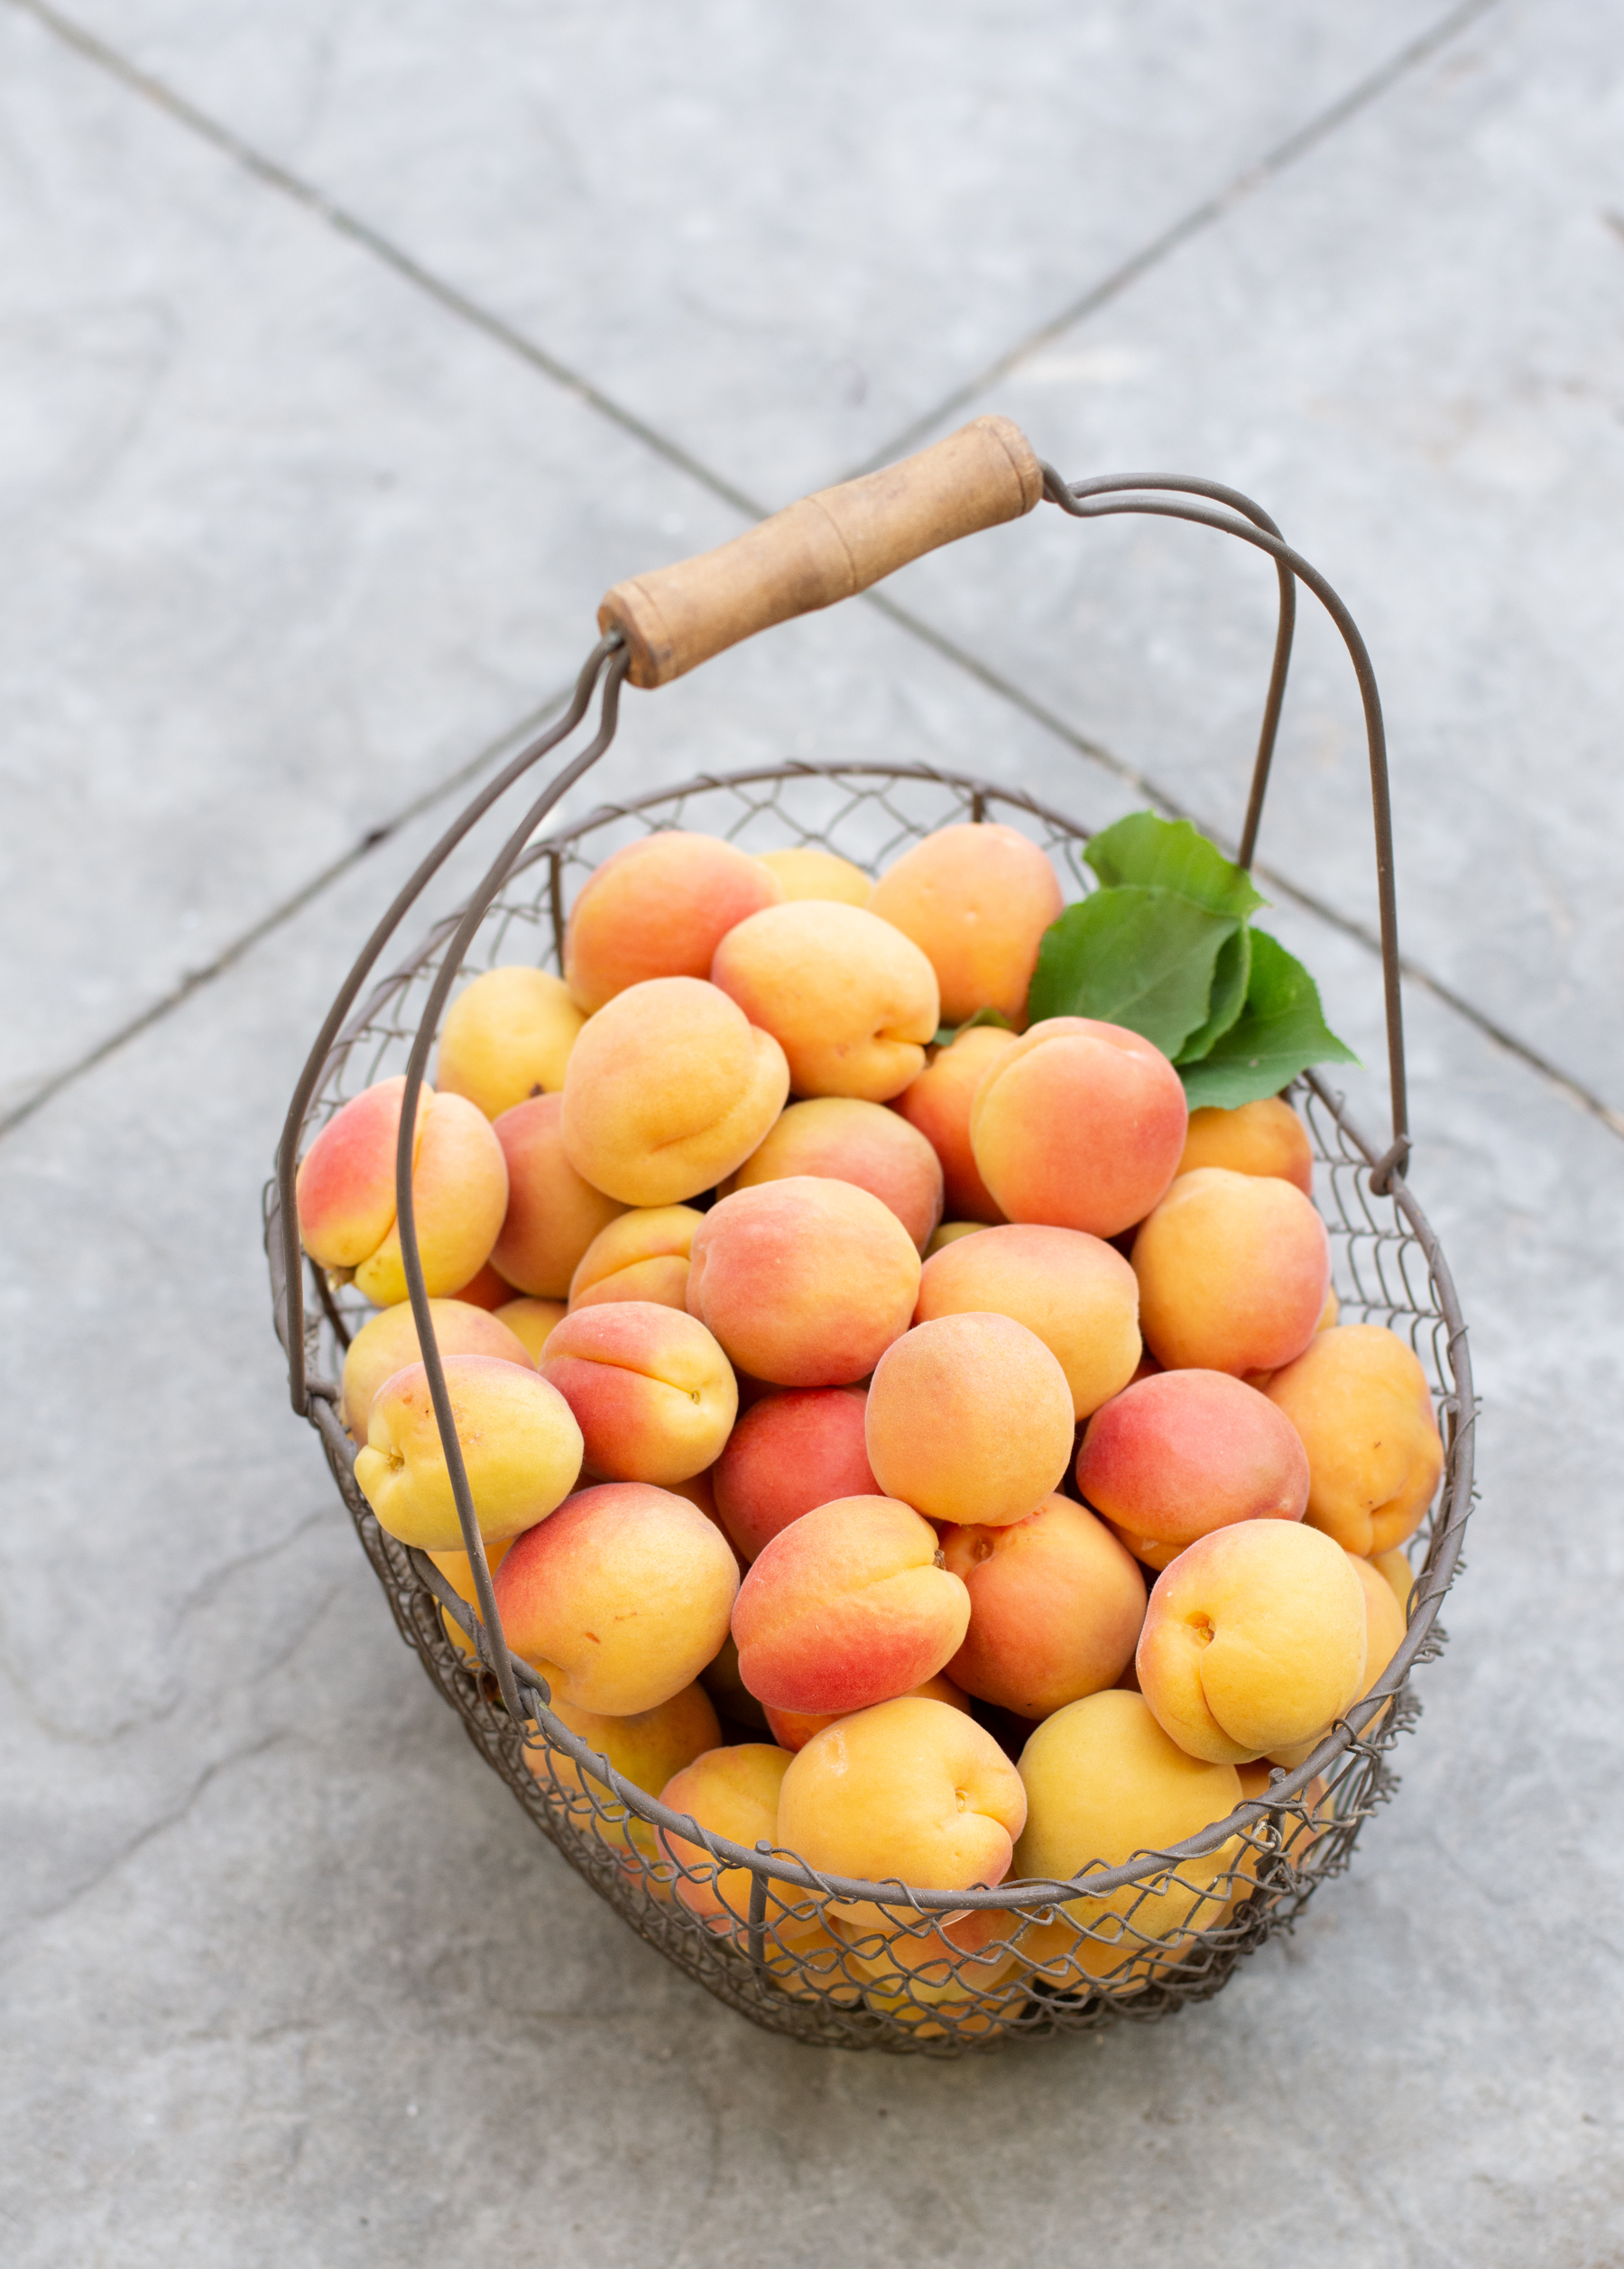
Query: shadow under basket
[945, 1972]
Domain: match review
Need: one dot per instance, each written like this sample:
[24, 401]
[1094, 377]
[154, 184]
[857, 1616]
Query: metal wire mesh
[861, 1966]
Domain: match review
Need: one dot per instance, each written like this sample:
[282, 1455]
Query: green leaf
[1137, 957]
[1229, 981]
[1173, 854]
[947, 1033]
[1279, 1033]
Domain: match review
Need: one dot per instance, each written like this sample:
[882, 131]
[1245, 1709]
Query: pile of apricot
[969, 1421]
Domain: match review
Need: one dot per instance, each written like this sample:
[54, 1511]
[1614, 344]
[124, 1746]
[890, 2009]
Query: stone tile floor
[345, 356]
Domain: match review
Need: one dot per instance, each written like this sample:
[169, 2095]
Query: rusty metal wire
[936, 1974]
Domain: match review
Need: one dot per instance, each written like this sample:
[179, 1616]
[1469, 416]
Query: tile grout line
[194, 980]
[458, 303]
[1191, 226]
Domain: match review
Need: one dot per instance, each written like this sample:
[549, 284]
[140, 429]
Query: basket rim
[779, 1865]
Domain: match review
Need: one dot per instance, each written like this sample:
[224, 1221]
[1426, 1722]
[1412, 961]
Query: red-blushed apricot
[1186, 1451]
[733, 1698]
[521, 1449]
[937, 1103]
[805, 1282]
[969, 1420]
[733, 1792]
[643, 1255]
[1254, 1641]
[1265, 1137]
[1104, 1782]
[507, 1037]
[531, 1320]
[388, 1342]
[1232, 1271]
[458, 1193]
[849, 1605]
[1055, 1606]
[1385, 1627]
[659, 908]
[553, 1213]
[788, 1453]
[646, 1748]
[975, 900]
[808, 873]
[484, 1289]
[345, 1190]
[457, 1568]
[843, 1139]
[851, 1001]
[1078, 1295]
[1079, 1124]
[1358, 1397]
[793, 1729]
[910, 1790]
[670, 1088]
[652, 1391]
[626, 1600]
[1395, 1570]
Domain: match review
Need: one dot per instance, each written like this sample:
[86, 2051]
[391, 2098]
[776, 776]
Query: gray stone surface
[287, 1978]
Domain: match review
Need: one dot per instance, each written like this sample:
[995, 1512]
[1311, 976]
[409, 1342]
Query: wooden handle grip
[826, 547]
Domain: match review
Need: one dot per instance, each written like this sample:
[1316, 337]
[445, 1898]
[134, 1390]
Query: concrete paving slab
[1409, 354]
[285, 546]
[779, 238]
[289, 1979]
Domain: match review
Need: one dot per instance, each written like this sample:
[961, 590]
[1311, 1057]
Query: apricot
[1186, 1451]
[1330, 1314]
[939, 1972]
[1055, 1606]
[457, 1568]
[645, 1748]
[1077, 1293]
[1254, 1641]
[507, 1037]
[908, 1790]
[620, 1598]
[1385, 1627]
[851, 1002]
[388, 1342]
[976, 900]
[937, 1103]
[652, 1391]
[1359, 1399]
[1232, 1270]
[1104, 1782]
[659, 908]
[553, 1214]
[1395, 1570]
[793, 1729]
[805, 1282]
[848, 1606]
[345, 1189]
[733, 1792]
[949, 1234]
[1079, 1124]
[531, 1320]
[521, 1449]
[807, 873]
[346, 1193]
[969, 1420]
[643, 1255]
[1265, 1137]
[669, 1089]
[1298, 1834]
[788, 1453]
[843, 1139]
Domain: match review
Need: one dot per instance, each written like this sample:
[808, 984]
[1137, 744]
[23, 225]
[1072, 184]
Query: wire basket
[823, 1959]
